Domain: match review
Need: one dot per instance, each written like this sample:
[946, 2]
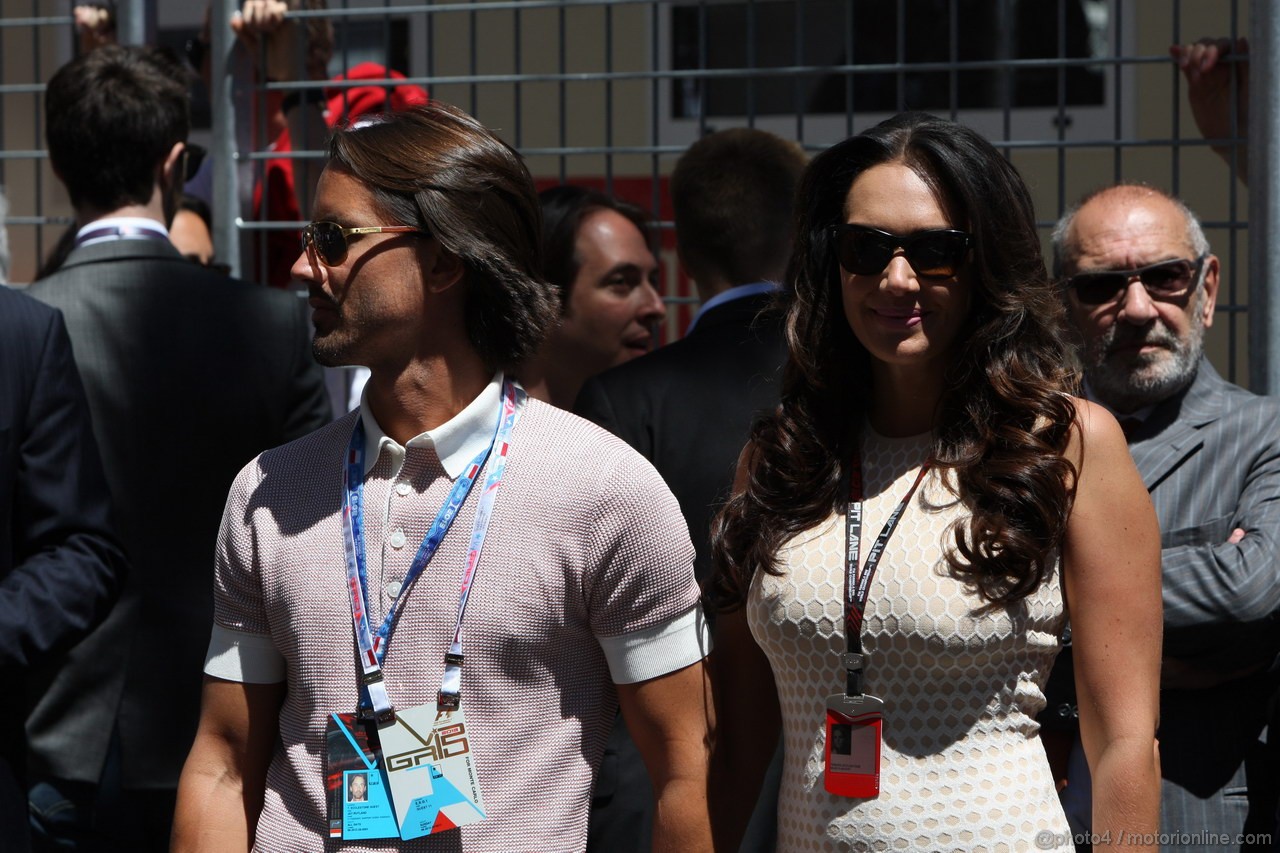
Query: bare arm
[669, 720]
[283, 47]
[748, 720]
[1112, 576]
[1209, 93]
[222, 784]
[95, 25]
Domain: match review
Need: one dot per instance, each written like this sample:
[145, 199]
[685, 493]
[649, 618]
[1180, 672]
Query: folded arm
[1221, 598]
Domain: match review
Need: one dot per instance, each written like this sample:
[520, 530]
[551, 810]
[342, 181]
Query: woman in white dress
[926, 408]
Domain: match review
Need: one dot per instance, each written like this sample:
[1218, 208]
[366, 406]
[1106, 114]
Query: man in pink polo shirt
[491, 656]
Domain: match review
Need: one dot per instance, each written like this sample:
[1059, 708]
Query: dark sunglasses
[1165, 280]
[935, 253]
[329, 239]
[192, 156]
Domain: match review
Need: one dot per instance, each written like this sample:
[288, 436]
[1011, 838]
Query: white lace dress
[962, 766]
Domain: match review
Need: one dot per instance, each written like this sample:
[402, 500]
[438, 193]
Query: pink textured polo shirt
[586, 579]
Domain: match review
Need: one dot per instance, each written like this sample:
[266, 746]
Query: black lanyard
[857, 587]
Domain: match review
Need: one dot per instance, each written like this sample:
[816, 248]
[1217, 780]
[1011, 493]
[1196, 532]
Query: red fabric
[274, 198]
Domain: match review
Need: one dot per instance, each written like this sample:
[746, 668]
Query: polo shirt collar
[457, 441]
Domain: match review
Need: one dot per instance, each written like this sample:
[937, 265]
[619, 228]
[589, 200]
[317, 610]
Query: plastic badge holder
[852, 752]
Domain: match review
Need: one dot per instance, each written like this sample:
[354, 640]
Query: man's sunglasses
[935, 253]
[1165, 280]
[329, 239]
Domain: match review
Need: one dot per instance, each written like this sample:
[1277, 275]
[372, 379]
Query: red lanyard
[856, 588]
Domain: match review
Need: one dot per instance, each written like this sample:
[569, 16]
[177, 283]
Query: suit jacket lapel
[1179, 421]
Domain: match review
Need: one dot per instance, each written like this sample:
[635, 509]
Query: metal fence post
[135, 23]
[226, 194]
[1264, 201]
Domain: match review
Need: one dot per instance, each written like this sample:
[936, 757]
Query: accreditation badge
[431, 771]
[852, 752]
[359, 802]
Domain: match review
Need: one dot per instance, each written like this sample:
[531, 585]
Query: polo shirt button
[393, 589]
[403, 489]
[397, 539]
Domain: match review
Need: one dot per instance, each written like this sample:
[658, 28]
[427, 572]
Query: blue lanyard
[373, 647]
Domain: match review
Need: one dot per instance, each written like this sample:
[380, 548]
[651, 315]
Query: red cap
[361, 100]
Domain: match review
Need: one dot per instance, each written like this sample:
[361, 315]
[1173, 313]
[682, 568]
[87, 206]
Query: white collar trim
[456, 441]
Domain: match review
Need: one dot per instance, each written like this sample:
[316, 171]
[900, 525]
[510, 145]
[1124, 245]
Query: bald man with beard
[1141, 285]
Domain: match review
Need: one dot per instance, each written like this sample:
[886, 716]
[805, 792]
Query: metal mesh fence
[608, 93]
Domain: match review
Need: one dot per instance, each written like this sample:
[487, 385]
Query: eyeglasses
[192, 156]
[329, 239]
[936, 253]
[1165, 280]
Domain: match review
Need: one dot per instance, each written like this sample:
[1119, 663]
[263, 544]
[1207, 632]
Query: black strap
[856, 588]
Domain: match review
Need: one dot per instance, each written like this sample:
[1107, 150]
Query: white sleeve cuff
[240, 656]
[658, 650]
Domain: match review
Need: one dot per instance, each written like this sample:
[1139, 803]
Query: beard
[1130, 381]
[332, 348]
[325, 354]
[331, 337]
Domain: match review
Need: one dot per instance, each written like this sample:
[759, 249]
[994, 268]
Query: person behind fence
[908, 526]
[1141, 285]
[688, 406]
[595, 251]
[1209, 71]
[188, 374]
[554, 583]
[61, 563]
[290, 49]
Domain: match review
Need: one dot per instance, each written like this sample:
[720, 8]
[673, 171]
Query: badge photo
[851, 757]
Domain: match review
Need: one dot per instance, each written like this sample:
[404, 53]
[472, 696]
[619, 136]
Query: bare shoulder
[1111, 513]
[1096, 437]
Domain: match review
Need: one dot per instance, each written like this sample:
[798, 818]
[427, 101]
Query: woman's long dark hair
[1005, 416]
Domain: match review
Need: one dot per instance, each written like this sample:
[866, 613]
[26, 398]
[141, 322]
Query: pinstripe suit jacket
[1210, 458]
[189, 375]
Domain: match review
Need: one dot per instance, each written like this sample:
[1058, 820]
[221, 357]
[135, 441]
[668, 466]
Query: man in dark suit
[595, 252]
[61, 566]
[189, 374]
[1141, 285]
[688, 407]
